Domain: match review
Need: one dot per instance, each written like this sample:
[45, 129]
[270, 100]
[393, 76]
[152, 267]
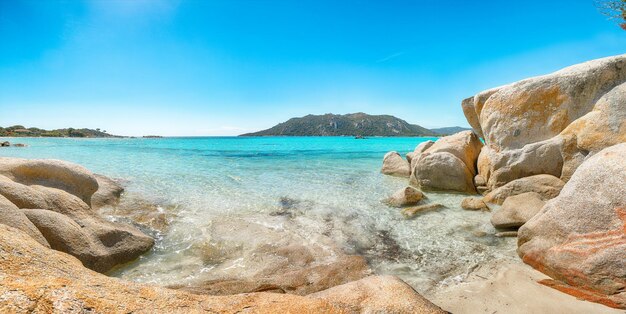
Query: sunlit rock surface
[579, 238]
[549, 124]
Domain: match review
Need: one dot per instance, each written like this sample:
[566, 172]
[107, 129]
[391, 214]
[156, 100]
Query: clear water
[333, 184]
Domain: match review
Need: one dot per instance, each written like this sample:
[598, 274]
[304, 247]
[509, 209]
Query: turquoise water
[332, 184]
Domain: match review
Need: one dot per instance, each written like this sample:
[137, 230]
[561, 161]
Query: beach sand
[511, 287]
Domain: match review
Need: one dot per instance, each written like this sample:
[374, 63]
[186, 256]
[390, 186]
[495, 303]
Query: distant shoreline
[216, 136]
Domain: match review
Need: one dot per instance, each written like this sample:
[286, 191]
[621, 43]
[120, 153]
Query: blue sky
[226, 67]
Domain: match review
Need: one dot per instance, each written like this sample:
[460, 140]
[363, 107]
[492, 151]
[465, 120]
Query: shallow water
[318, 188]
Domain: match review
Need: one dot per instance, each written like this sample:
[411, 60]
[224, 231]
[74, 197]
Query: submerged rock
[474, 203]
[405, 197]
[579, 237]
[517, 210]
[249, 254]
[409, 212]
[70, 288]
[395, 165]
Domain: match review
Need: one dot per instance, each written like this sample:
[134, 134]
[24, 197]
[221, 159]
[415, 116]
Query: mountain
[354, 124]
[21, 131]
[449, 130]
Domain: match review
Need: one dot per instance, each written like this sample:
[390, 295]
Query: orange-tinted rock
[550, 124]
[579, 238]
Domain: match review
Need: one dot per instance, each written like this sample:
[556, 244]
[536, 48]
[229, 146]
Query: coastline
[311, 216]
[491, 287]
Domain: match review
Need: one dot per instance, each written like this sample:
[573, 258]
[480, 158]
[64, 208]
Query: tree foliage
[614, 9]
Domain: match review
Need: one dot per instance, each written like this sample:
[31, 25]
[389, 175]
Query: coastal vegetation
[21, 131]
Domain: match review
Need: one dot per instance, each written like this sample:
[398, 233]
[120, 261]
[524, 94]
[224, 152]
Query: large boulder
[579, 238]
[96, 244]
[517, 210]
[603, 126]
[549, 124]
[533, 159]
[56, 198]
[444, 172]
[395, 165]
[449, 163]
[58, 174]
[70, 288]
[417, 153]
[539, 108]
[545, 185]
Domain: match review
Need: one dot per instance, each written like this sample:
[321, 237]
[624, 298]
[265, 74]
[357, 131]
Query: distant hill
[354, 124]
[21, 131]
[449, 130]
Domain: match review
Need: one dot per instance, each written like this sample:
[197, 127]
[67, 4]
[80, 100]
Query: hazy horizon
[200, 68]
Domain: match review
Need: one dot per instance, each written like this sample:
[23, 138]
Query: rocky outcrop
[36, 279]
[395, 165]
[54, 198]
[517, 210]
[579, 237]
[57, 174]
[549, 124]
[405, 197]
[545, 185]
[449, 164]
[10, 215]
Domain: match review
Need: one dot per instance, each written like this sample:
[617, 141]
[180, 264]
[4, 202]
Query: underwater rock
[405, 197]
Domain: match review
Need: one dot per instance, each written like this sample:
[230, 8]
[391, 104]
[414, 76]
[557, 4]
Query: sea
[329, 185]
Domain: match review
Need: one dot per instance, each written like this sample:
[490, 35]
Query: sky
[174, 68]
